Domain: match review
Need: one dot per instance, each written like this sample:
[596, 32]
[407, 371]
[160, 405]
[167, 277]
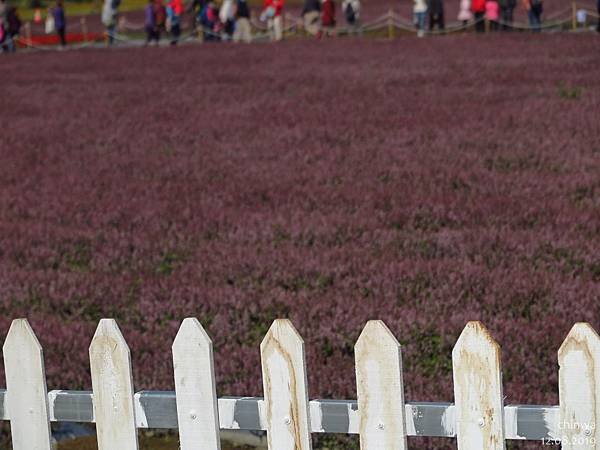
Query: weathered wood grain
[285, 388]
[380, 389]
[579, 389]
[478, 396]
[26, 388]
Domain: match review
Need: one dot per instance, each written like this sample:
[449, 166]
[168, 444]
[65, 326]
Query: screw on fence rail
[196, 395]
[478, 390]
[285, 388]
[380, 389]
[579, 388]
[26, 385]
[112, 384]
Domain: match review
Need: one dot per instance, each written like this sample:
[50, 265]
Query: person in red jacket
[174, 13]
[327, 18]
[272, 12]
[478, 8]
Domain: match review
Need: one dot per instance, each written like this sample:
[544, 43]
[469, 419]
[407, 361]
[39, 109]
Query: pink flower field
[423, 182]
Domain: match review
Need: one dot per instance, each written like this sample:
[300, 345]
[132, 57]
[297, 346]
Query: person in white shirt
[420, 12]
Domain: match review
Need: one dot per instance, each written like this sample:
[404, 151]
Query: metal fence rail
[158, 409]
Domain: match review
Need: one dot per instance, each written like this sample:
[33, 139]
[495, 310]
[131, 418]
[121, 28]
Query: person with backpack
[507, 8]
[351, 9]
[534, 10]
[420, 13]
[327, 18]
[60, 22]
[243, 30]
[478, 9]
[311, 15]
[436, 14]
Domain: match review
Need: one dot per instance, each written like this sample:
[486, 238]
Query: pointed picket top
[285, 388]
[579, 389]
[27, 394]
[380, 389]
[112, 384]
[478, 390]
[195, 388]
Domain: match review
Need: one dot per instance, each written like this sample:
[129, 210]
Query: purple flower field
[423, 182]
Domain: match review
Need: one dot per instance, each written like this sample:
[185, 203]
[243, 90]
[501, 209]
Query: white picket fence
[478, 419]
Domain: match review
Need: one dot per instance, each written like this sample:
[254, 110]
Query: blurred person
[598, 25]
[174, 12]
[436, 14]
[109, 18]
[209, 19]
[160, 19]
[534, 10]
[243, 30]
[492, 14]
[227, 18]
[464, 13]
[311, 16]
[507, 8]
[420, 14]
[196, 8]
[327, 18]
[478, 9]
[272, 13]
[150, 22]
[3, 8]
[60, 22]
[12, 27]
[351, 10]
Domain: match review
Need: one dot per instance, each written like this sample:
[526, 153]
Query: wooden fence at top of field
[478, 419]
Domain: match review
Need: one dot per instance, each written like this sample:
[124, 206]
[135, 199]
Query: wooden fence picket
[380, 389]
[112, 384]
[196, 395]
[285, 388]
[579, 389]
[26, 388]
[478, 397]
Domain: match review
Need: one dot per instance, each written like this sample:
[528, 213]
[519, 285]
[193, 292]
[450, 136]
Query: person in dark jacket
[60, 22]
[507, 9]
[436, 14]
[11, 28]
[598, 26]
[14, 26]
[534, 10]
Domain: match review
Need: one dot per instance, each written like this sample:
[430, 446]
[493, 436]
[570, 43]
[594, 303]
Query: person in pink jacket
[492, 14]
